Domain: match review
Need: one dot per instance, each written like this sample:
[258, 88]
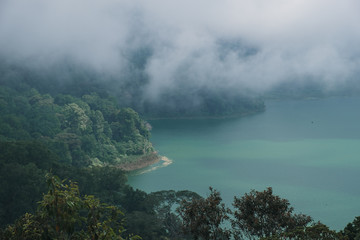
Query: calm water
[307, 150]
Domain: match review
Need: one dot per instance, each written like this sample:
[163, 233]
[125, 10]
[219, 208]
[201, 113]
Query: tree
[165, 203]
[64, 214]
[21, 187]
[316, 231]
[127, 125]
[261, 214]
[205, 218]
[76, 119]
[352, 230]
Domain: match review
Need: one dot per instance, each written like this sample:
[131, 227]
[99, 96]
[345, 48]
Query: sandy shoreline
[141, 162]
[144, 162]
[164, 163]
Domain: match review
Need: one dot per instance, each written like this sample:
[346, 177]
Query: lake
[308, 151]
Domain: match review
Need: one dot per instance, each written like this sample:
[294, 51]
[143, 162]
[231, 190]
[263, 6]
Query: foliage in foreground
[204, 218]
[23, 165]
[256, 215]
[352, 230]
[262, 214]
[64, 214]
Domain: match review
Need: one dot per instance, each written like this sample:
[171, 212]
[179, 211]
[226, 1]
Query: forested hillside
[23, 167]
[86, 138]
[76, 130]
[82, 131]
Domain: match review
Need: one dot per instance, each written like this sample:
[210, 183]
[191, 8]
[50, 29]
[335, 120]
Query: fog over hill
[245, 46]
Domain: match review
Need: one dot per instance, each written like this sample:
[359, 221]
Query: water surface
[307, 150]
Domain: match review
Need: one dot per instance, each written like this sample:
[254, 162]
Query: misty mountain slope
[186, 99]
[202, 103]
[171, 59]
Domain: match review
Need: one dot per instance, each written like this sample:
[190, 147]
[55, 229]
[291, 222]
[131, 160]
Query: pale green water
[308, 151]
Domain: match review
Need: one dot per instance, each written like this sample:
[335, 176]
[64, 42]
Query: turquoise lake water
[308, 151]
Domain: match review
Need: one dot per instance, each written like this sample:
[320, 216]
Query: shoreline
[141, 162]
[165, 162]
[144, 162]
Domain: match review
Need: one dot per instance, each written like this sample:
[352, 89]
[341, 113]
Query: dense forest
[86, 139]
[63, 147]
[23, 167]
[82, 131]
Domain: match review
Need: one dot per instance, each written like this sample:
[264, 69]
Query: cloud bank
[237, 44]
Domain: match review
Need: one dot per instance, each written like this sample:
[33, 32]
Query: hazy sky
[251, 44]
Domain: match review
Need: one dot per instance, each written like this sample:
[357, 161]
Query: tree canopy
[83, 131]
[64, 214]
[262, 214]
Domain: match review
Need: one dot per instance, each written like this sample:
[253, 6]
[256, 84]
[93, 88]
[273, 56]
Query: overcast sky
[272, 41]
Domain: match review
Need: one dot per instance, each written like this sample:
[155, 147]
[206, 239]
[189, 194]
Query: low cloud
[241, 45]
